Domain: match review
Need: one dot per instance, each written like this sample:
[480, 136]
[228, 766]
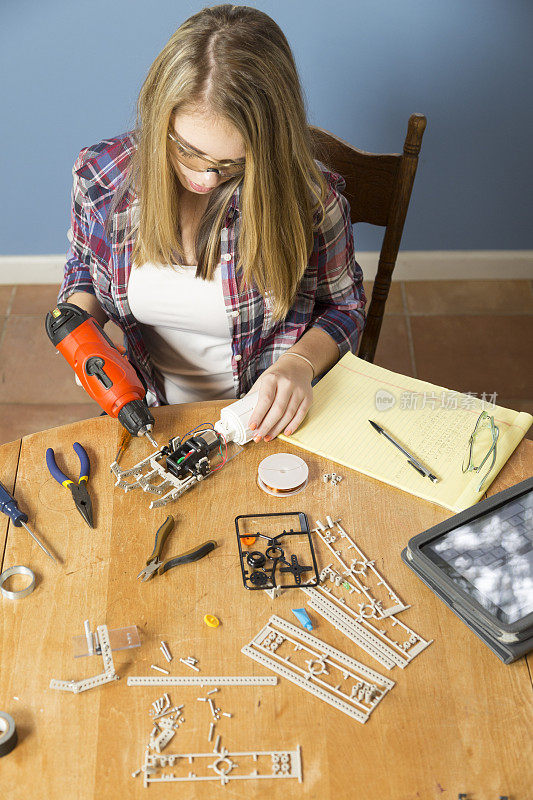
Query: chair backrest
[378, 188]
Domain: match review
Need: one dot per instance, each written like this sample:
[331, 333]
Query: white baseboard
[412, 265]
[442, 265]
[31, 269]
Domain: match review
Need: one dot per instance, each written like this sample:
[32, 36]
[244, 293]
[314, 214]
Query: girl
[211, 236]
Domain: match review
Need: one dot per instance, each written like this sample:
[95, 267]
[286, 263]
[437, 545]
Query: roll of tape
[8, 734]
[19, 570]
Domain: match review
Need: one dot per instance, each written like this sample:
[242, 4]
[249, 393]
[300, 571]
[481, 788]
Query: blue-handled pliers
[78, 490]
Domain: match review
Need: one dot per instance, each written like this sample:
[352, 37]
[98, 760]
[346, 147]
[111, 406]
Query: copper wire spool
[282, 474]
[273, 489]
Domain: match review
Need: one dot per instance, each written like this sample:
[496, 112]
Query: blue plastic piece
[303, 618]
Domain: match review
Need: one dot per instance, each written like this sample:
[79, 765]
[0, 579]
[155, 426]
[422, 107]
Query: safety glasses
[481, 452]
[188, 158]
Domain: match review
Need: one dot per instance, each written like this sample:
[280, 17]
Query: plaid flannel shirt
[330, 295]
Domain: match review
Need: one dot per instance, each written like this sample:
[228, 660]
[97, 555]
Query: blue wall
[71, 72]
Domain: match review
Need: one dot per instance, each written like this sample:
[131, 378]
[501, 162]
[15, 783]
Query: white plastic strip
[205, 680]
[81, 686]
[64, 686]
[357, 600]
[107, 655]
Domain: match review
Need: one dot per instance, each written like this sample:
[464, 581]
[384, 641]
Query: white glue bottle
[233, 422]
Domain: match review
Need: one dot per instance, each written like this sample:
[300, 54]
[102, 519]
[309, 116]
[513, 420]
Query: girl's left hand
[285, 396]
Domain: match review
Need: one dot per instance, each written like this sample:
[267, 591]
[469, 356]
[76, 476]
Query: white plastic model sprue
[322, 670]
[358, 568]
[220, 765]
[350, 597]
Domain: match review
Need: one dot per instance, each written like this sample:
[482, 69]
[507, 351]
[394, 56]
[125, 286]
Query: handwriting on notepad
[430, 441]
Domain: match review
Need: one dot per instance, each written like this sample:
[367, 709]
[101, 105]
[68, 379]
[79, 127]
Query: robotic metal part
[186, 462]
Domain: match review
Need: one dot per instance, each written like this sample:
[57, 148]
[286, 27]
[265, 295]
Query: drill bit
[151, 440]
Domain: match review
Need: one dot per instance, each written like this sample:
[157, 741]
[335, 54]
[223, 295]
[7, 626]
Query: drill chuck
[136, 417]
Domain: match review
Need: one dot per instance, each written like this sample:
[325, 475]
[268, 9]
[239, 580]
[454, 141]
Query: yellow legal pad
[433, 423]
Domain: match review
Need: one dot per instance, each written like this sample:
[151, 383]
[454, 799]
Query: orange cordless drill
[104, 372]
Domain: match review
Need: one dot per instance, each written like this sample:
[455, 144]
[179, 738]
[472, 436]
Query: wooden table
[458, 720]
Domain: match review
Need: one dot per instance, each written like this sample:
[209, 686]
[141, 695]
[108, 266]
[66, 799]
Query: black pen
[410, 459]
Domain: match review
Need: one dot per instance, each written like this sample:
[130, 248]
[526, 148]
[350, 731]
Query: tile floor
[473, 336]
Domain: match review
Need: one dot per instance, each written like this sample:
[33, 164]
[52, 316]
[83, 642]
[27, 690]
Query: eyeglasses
[482, 446]
[188, 158]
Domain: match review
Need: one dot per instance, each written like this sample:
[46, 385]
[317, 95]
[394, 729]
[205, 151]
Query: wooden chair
[378, 188]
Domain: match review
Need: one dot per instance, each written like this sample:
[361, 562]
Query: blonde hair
[234, 62]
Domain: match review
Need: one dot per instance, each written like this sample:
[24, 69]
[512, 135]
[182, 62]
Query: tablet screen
[491, 558]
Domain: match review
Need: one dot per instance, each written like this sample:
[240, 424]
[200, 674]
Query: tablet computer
[480, 563]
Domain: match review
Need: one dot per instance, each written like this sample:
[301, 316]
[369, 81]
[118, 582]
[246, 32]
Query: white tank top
[184, 325]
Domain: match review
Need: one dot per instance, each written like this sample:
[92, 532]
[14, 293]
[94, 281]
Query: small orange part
[248, 540]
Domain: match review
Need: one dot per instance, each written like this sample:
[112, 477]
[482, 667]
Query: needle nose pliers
[78, 490]
[156, 566]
